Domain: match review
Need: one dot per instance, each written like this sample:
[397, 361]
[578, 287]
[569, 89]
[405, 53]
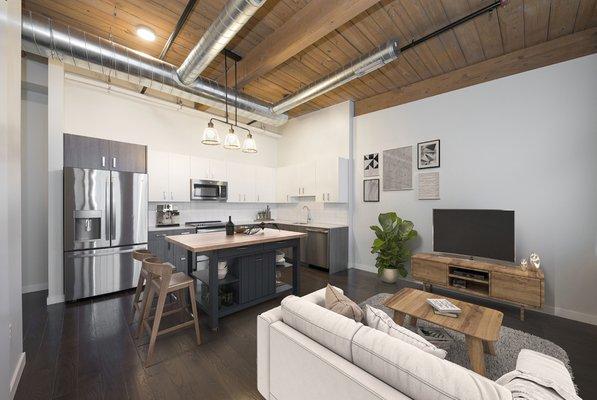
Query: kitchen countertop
[321, 225]
[218, 240]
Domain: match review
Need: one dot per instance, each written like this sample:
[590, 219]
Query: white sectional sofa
[305, 351]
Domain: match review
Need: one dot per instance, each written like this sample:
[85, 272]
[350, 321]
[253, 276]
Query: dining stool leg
[138, 291]
[156, 326]
[145, 308]
[195, 315]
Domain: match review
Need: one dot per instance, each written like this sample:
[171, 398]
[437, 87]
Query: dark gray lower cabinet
[257, 276]
[175, 255]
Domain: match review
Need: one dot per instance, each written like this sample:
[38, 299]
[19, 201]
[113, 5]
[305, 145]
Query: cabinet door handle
[164, 193]
[323, 196]
[244, 197]
[103, 161]
[257, 197]
[171, 196]
[113, 162]
[328, 197]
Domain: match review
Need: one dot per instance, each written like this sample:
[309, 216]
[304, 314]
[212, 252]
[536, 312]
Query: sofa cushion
[327, 328]
[339, 303]
[418, 374]
[377, 319]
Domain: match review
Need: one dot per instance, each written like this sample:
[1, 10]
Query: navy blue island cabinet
[250, 261]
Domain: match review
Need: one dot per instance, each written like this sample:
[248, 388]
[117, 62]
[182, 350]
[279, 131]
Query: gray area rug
[507, 348]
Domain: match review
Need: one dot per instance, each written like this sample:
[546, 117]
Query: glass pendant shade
[210, 135]
[231, 140]
[249, 145]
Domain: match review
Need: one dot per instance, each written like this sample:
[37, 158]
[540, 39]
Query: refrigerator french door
[105, 220]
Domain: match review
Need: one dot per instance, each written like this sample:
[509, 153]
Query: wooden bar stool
[139, 255]
[161, 282]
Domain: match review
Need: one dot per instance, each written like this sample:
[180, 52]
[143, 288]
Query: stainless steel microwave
[209, 190]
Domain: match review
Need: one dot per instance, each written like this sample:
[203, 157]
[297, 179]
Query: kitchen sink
[301, 223]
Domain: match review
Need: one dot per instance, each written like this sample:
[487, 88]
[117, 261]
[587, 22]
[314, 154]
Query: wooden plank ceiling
[517, 25]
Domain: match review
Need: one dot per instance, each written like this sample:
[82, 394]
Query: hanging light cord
[235, 95]
[226, 83]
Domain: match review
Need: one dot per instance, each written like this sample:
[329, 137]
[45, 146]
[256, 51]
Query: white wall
[526, 143]
[12, 358]
[34, 167]
[322, 133]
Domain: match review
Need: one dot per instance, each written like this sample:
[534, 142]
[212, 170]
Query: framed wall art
[371, 165]
[428, 154]
[371, 190]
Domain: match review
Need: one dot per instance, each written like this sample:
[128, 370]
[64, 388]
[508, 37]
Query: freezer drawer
[93, 272]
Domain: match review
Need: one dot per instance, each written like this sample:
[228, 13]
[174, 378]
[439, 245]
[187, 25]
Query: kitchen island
[251, 261]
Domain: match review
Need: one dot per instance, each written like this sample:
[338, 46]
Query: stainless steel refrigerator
[105, 220]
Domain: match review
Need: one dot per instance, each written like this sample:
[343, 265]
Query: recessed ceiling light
[145, 33]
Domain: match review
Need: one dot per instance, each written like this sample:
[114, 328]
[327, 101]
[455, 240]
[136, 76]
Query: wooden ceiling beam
[308, 25]
[561, 49]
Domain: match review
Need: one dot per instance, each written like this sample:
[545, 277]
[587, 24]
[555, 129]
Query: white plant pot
[389, 275]
[222, 269]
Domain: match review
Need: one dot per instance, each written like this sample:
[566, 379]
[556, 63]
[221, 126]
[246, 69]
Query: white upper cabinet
[307, 179]
[178, 176]
[205, 168]
[168, 176]
[241, 183]
[286, 183]
[265, 184]
[157, 171]
[332, 180]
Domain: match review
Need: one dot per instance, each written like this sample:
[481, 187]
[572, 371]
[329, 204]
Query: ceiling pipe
[47, 38]
[361, 66]
[232, 18]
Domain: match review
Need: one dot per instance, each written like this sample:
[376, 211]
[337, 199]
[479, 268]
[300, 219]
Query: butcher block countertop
[218, 240]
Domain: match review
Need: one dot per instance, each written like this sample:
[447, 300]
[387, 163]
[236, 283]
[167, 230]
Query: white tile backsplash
[332, 213]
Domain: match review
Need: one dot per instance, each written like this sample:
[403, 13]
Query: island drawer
[240, 251]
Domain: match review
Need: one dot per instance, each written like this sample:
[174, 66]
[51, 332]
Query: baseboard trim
[16, 375]
[55, 299]
[36, 287]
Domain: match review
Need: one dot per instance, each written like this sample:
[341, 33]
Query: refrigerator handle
[112, 210]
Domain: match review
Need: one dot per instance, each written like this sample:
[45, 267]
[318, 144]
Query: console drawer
[517, 289]
[430, 271]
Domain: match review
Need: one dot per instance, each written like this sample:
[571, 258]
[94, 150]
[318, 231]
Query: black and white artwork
[428, 154]
[371, 190]
[398, 169]
[371, 165]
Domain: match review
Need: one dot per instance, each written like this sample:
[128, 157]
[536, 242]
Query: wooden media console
[491, 279]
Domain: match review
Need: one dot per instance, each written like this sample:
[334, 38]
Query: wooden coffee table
[480, 325]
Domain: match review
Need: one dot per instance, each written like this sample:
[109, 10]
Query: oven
[209, 190]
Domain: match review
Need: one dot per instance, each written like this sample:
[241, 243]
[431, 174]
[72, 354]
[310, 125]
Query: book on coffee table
[446, 314]
[444, 306]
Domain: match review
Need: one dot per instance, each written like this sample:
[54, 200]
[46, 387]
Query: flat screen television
[480, 233]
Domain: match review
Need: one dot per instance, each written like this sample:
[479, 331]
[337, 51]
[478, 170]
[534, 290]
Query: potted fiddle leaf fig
[390, 246]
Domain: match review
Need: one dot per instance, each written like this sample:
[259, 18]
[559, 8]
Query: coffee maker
[167, 215]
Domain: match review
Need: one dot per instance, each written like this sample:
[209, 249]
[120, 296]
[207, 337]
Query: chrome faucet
[308, 213]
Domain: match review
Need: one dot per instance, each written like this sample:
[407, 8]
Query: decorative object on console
[229, 227]
[340, 304]
[390, 245]
[535, 260]
[371, 165]
[428, 155]
[371, 190]
[429, 186]
[524, 264]
[398, 169]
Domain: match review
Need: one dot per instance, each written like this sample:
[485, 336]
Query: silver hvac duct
[42, 36]
[232, 18]
[361, 66]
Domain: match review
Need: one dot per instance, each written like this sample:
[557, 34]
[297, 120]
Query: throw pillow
[377, 319]
[339, 303]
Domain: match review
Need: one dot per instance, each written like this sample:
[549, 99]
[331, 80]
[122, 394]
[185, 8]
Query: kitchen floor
[85, 350]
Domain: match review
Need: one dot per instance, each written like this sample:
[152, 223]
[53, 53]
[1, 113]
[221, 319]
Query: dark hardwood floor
[85, 350]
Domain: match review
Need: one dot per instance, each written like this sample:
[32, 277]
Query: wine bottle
[229, 227]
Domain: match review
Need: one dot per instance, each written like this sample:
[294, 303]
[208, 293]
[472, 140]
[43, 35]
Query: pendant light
[231, 141]
[249, 145]
[210, 135]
